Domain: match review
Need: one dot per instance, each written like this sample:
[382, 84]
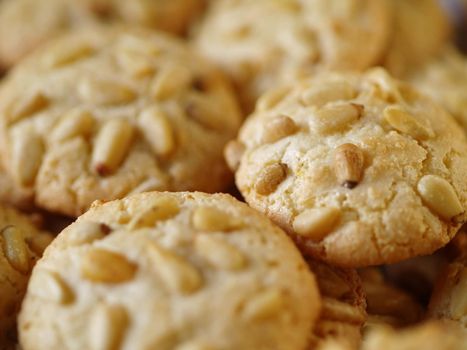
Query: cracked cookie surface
[157, 270]
[242, 37]
[21, 244]
[27, 24]
[359, 168]
[98, 114]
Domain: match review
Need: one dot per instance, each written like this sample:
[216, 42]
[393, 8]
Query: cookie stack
[125, 124]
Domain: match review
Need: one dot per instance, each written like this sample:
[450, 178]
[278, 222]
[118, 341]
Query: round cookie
[359, 168]
[98, 114]
[420, 29]
[170, 271]
[262, 43]
[449, 299]
[444, 78]
[26, 24]
[343, 307]
[21, 244]
[427, 335]
[387, 304]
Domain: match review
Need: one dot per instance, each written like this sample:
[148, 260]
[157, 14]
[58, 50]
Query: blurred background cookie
[21, 244]
[27, 24]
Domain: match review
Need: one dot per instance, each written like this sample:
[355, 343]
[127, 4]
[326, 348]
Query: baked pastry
[427, 335]
[343, 312]
[444, 78]
[360, 169]
[101, 113]
[449, 299]
[26, 24]
[170, 271]
[387, 304]
[244, 38]
[420, 30]
[21, 244]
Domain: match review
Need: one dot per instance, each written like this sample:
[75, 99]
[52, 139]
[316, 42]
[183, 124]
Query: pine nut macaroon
[343, 311]
[360, 169]
[262, 43]
[98, 114]
[170, 271]
[27, 24]
[21, 244]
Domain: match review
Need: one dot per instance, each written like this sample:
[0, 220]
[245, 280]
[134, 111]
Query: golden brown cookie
[26, 24]
[360, 169]
[99, 114]
[343, 307]
[387, 304]
[449, 299]
[262, 43]
[445, 79]
[170, 271]
[21, 244]
[420, 29]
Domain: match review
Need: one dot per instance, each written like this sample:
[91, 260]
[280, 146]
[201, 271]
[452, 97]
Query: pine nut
[104, 266]
[272, 98]
[334, 118]
[31, 103]
[233, 153]
[68, 53]
[158, 131]
[162, 208]
[27, 153]
[316, 223]
[404, 122]
[15, 249]
[264, 305]
[319, 96]
[49, 285]
[348, 164]
[278, 128]
[105, 92]
[170, 81]
[270, 178]
[107, 327]
[219, 253]
[211, 219]
[75, 123]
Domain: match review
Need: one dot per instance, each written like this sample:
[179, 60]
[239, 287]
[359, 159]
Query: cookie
[26, 24]
[170, 271]
[427, 335]
[387, 304]
[343, 307]
[444, 79]
[244, 38]
[98, 114]
[21, 244]
[420, 29]
[360, 169]
[449, 299]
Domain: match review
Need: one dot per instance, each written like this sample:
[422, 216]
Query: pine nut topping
[136, 64]
[162, 208]
[27, 153]
[219, 253]
[158, 131]
[264, 305]
[107, 327]
[111, 146]
[85, 232]
[270, 178]
[334, 118]
[233, 153]
[105, 92]
[30, 104]
[49, 285]
[348, 164]
[68, 53]
[316, 223]
[170, 81]
[440, 197]
[15, 249]
[104, 266]
[211, 219]
[272, 98]
[178, 274]
[278, 128]
[75, 123]
[333, 309]
[319, 96]
[404, 122]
